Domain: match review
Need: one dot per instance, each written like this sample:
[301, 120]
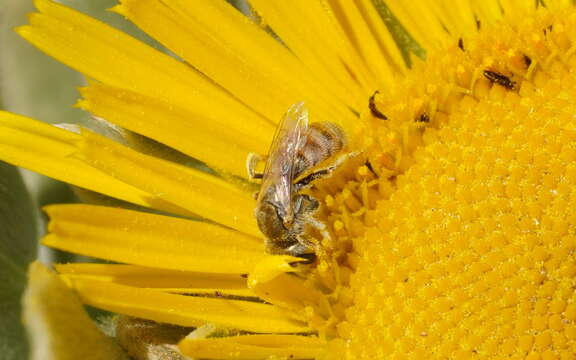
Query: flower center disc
[456, 232]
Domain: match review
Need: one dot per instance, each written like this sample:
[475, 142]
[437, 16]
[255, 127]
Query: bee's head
[271, 220]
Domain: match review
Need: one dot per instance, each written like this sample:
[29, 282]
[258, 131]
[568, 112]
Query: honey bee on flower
[282, 212]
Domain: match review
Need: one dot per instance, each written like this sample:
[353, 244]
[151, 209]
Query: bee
[282, 211]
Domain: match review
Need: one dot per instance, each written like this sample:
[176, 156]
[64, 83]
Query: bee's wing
[279, 170]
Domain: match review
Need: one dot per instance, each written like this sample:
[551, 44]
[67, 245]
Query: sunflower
[451, 230]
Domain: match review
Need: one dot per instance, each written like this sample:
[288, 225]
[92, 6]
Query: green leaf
[17, 249]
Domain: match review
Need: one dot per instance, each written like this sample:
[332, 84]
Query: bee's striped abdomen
[323, 140]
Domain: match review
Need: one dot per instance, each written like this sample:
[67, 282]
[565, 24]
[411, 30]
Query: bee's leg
[342, 158]
[306, 208]
[320, 226]
[307, 247]
[305, 181]
[251, 162]
[304, 205]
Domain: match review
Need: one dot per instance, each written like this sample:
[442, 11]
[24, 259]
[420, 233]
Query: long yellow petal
[488, 11]
[290, 292]
[419, 19]
[211, 36]
[174, 126]
[173, 281]
[185, 310]
[382, 36]
[271, 282]
[140, 276]
[150, 240]
[518, 6]
[253, 347]
[357, 30]
[112, 57]
[47, 150]
[312, 33]
[196, 191]
[458, 16]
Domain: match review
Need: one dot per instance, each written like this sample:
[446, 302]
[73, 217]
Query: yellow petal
[112, 57]
[271, 266]
[488, 12]
[273, 281]
[151, 240]
[196, 191]
[458, 16]
[177, 127]
[165, 280]
[290, 292]
[185, 310]
[47, 150]
[420, 20]
[312, 33]
[59, 327]
[383, 37]
[519, 6]
[218, 40]
[253, 347]
[357, 29]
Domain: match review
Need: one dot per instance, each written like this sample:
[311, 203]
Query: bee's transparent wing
[279, 170]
